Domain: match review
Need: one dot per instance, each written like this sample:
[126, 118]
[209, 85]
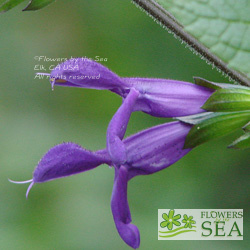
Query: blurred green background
[74, 213]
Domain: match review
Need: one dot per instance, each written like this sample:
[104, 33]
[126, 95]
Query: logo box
[200, 224]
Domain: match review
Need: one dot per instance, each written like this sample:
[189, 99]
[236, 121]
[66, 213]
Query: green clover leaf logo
[188, 221]
[170, 219]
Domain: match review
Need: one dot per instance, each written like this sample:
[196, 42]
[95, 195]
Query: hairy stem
[169, 22]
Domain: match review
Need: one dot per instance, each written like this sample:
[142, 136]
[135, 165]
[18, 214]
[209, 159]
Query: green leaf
[213, 125]
[242, 142]
[37, 4]
[227, 100]
[7, 5]
[222, 26]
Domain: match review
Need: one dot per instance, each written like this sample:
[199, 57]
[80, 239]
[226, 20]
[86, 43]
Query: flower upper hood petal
[85, 73]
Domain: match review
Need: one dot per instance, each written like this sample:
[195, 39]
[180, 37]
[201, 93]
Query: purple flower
[146, 152]
[157, 97]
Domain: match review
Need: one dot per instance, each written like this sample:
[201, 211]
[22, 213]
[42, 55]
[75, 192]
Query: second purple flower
[147, 152]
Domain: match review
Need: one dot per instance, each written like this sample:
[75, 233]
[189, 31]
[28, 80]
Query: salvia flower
[143, 153]
[147, 152]
[157, 97]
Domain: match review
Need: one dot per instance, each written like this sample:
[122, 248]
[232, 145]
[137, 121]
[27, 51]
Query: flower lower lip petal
[120, 209]
[66, 159]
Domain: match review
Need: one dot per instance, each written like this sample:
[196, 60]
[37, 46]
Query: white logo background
[210, 224]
